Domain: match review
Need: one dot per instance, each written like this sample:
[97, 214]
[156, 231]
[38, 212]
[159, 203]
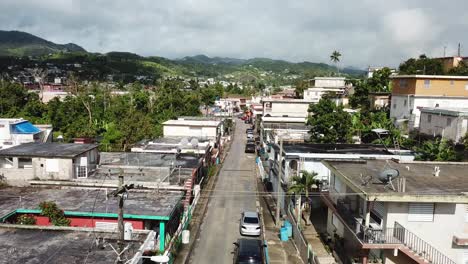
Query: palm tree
[302, 185]
[335, 58]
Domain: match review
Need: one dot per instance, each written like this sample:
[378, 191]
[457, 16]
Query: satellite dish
[194, 142]
[184, 142]
[387, 175]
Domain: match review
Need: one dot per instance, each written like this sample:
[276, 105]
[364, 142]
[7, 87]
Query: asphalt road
[234, 192]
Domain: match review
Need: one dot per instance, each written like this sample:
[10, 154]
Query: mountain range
[19, 44]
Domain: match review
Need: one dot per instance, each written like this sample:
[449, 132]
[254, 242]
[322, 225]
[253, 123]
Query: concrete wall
[290, 109]
[189, 131]
[329, 82]
[450, 127]
[437, 87]
[449, 220]
[399, 110]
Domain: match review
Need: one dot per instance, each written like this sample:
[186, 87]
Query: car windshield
[251, 220]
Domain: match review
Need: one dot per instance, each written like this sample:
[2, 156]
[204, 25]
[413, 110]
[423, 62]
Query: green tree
[437, 150]
[460, 70]
[422, 65]
[300, 86]
[329, 123]
[335, 58]
[302, 185]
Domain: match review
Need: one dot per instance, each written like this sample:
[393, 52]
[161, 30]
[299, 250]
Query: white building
[15, 131]
[449, 123]
[419, 216]
[325, 85]
[210, 129]
[286, 107]
[47, 161]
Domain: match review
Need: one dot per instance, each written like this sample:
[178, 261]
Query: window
[449, 121]
[466, 86]
[452, 82]
[421, 212]
[429, 118]
[338, 185]
[404, 102]
[394, 106]
[403, 83]
[427, 83]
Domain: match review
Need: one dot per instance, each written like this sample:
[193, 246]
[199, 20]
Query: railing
[400, 235]
[420, 247]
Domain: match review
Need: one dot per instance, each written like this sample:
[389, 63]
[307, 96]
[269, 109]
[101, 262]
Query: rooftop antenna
[459, 50]
[445, 48]
[387, 176]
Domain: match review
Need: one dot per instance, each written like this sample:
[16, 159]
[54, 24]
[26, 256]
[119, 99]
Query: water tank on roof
[128, 231]
[194, 142]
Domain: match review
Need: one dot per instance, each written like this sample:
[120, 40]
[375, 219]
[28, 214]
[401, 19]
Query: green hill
[17, 43]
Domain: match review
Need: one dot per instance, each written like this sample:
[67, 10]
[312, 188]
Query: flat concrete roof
[22, 245]
[334, 148]
[47, 150]
[451, 77]
[201, 123]
[450, 111]
[421, 185]
[148, 159]
[289, 101]
[89, 202]
[286, 125]
[143, 176]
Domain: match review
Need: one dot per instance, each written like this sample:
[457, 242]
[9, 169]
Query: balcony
[396, 237]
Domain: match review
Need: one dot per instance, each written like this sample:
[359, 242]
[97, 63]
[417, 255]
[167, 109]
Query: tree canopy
[329, 122]
[422, 65]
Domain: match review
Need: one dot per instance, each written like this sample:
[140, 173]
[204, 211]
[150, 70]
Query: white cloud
[366, 32]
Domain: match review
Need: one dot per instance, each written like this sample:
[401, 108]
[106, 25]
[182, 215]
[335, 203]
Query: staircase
[188, 192]
[418, 249]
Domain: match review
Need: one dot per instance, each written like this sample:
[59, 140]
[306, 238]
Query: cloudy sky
[366, 32]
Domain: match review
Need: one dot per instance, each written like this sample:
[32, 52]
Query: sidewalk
[278, 251]
[312, 235]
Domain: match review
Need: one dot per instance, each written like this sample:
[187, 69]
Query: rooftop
[22, 245]
[450, 77]
[289, 101]
[202, 123]
[450, 111]
[88, 202]
[149, 159]
[421, 184]
[290, 148]
[47, 150]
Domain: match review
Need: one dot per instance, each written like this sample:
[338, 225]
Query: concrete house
[447, 122]
[398, 212]
[286, 107]
[297, 157]
[325, 85]
[210, 129]
[47, 161]
[411, 92]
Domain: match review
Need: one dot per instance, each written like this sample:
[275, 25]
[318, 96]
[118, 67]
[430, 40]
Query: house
[43, 161]
[451, 62]
[210, 129]
[372, 69]
[92, 208]
[398, 212]
[326, 85]
[447, 122]
[196, 145]
[297, 157]
[411, 92]
[15, 131]
[286, 107]
[379, 100]
[295, 128]
[23, 244]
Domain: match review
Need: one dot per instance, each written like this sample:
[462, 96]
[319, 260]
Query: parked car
[249, 130]
[250, 136]
[249, 251]
[250, 147]
[250, 224]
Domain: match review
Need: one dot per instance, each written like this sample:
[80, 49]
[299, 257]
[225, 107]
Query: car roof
[249, 247]
[250, 214]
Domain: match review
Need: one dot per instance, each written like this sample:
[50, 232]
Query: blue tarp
[25, 128]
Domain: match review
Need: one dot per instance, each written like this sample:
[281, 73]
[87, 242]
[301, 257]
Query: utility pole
[121, 193]
[278, 186]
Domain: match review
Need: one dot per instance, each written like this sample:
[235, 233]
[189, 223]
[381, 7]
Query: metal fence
[305, 250]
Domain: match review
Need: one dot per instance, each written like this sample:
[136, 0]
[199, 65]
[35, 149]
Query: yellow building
[411, 92]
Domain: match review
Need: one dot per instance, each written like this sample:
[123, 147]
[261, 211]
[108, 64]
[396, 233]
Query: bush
[26, 219]
[54, 213]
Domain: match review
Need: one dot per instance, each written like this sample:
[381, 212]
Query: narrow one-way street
[234, 192]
